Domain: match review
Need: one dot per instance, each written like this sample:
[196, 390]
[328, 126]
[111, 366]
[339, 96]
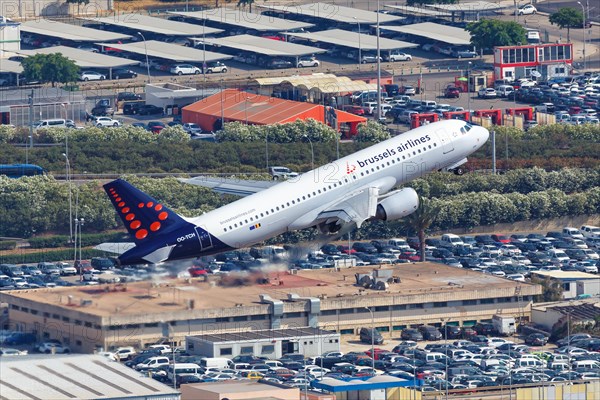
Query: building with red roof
[235, 105]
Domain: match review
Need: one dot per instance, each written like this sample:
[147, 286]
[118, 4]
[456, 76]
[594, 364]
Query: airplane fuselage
[297, 203]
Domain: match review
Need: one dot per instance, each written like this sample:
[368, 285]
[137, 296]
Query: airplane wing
[236, 187]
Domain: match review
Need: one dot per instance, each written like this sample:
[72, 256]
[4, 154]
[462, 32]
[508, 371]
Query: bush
[8, 245]
[48, 256]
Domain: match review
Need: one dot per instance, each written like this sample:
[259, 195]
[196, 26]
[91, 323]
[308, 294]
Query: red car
[196, 272]
[501, 238]
[356, 110]
[410, 256]
[452, 92]
[344, 249]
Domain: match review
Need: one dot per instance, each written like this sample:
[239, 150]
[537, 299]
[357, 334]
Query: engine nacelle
[398, 205]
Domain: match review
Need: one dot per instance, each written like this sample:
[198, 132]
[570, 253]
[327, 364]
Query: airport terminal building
[105, 316]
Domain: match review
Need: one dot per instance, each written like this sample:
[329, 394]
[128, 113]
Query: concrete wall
[204, 392]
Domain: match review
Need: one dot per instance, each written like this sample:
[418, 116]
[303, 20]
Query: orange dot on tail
[158, 207]
[141, 205]
[163, 215]
[125, 210]
[150, 204]
[155, 226]
[135, 224]
[141, 234]
[129, 217]
[121, 204]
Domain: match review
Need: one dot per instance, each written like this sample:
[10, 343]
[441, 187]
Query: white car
[524, 82]
[53, 347]
[106, 121]
[12, 352]
[308, 62]
[91, 76]
[67, 269]
[487, 93]
[400, 57]
[216, 67]
[185, 69]
[192, 128]
[527, 10]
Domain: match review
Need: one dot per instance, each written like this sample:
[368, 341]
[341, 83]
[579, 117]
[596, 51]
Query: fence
[19, 114]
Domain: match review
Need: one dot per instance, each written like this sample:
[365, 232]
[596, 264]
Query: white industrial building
[575, 312]
[574, 283]
[272, 343]
[10, 36]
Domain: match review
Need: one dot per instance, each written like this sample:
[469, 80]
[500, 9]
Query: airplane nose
[482, 135]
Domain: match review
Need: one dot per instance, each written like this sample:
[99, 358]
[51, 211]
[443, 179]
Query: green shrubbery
[47, 242]
[48, 256]
[8, 245]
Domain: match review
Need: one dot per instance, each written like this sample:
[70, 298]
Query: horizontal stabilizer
[116, 248]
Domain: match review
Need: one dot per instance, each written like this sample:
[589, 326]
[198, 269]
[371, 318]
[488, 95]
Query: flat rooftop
[333, 13]
[69, 31]
[174, 295]
[263, 334]
[443, 33]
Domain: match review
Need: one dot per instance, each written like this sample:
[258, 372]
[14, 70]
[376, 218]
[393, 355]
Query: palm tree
[420, 220]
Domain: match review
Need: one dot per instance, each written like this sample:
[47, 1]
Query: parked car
[527, 9]
[397, 56]
[128, 96]
[452, 92]
[279, 63]
[91, 76]
[215, 67]
[53, 346]
[308, 62]
[464, 54]
[185, 69]
[411, 334]
[132, 108]
[106, 121]
[155, 126]
[123, 73]
[149, 109]
[536, 339]
[369, 59]
[487, 93]
[192, 128]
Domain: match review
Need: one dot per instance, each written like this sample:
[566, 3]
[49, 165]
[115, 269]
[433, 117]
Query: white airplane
[334, 197]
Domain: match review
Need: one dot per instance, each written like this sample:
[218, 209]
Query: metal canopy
[351, 39]
[84, 59]
[241, 18]
[442, 33]
[471, 7]
[264, 46]
[334, 12]
[10, 66]
[408, 10]
[168, 51]
[75, 33]
[161, 26]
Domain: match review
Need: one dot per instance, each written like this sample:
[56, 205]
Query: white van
[216, 362]
[590, 231]
[51, 123]
[183, 369]
[592, 364]
[529, 363]
[533, 36]
[452, 239]
[152, 363]
[400, 244]
[557, 255]
[504, 90]
[572, 232]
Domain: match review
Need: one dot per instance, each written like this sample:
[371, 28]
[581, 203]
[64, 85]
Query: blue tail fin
[144, 217]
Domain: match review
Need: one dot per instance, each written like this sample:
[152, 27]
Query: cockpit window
[468, 127]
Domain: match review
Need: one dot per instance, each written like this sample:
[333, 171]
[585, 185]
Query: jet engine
[398, 205]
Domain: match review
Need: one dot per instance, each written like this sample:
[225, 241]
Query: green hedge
[8, 245]
[86, 240]
[48, 256]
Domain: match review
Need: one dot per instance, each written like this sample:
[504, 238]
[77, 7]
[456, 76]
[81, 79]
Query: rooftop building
[90, 317]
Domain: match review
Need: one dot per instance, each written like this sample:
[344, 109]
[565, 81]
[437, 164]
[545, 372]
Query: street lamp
[359, 46]
[372, 338]
[378, 69]
[146, 51]
[312, 152]
[204, 50]
[78, 225]
[445, 322]
[267, 149]
[469, 89]
[68, 172]
[27, 149]
[583, 17]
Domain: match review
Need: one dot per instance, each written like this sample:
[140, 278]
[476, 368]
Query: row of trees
[40, 204]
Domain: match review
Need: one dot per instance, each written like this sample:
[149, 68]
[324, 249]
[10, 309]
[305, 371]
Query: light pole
[312, 152]
[204, 50]
[378, 69]
[30, 101]
[267, 149]
[359, 46]
[27, 149]
[372, 338]
[469, 89]
[583, 12]
[68, 172]
[78, 225]
[445, 322]
[146, 51]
